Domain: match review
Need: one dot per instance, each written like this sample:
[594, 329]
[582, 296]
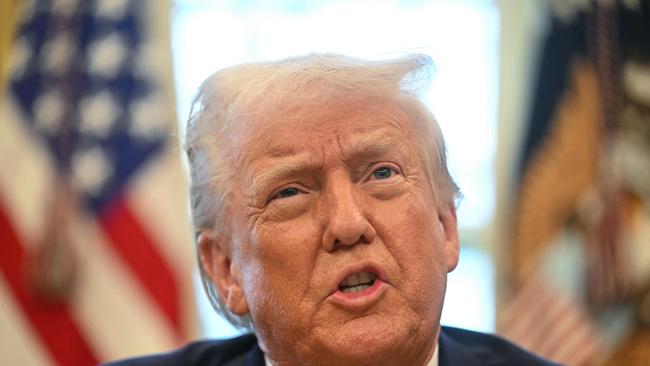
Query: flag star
[64, 7]
[49, 110]
[107, 55]
[91, 169]
[98, 113]
[20, 54]
[114, 10]
[149, 118]
[57, 53]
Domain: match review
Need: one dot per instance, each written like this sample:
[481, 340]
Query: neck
[416, 358]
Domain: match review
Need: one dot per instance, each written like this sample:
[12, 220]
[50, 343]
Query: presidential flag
[96, 253]
[579, 235]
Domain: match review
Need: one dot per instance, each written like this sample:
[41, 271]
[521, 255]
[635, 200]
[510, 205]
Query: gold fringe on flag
[8, 17]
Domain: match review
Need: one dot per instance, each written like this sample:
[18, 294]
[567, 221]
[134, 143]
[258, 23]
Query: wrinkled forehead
[331, 120]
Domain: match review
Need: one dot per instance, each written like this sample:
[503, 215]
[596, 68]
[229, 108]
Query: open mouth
[357, 282]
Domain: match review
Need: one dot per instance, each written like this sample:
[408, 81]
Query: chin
[366, 340]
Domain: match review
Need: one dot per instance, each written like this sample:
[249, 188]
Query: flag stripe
[53, 323]
[551, 324]
[583, 339]
[551, 314]
[533, 300]
[167, 198]
[558, 330]
[24, 346]
[140, 254]
[114, 302]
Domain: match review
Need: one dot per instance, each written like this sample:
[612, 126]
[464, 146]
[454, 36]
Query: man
[325, 218]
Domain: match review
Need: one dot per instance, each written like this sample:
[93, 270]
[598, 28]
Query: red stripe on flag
[53, 323]
[139, 252]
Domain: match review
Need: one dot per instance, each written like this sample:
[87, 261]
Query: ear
[447, 217]
[217, 263]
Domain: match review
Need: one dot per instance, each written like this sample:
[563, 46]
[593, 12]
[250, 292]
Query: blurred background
[545, 106]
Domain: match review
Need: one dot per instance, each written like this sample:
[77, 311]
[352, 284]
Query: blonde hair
[244, 91]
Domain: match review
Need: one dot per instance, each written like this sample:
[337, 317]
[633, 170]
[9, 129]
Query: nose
[347, 224]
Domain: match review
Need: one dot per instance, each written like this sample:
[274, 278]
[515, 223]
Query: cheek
[414, 237]
[279, 263]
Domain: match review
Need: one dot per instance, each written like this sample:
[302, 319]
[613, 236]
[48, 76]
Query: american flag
[544, 309]
[96, 251]
[550, 322]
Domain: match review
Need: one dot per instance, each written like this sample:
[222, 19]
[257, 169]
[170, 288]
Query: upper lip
[366, 266]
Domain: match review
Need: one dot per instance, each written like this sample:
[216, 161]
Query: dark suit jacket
[457, 347]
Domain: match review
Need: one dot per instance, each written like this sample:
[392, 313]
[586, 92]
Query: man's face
[339, 246]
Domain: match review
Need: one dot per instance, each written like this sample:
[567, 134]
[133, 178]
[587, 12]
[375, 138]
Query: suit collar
[454, 353]
[253, 357]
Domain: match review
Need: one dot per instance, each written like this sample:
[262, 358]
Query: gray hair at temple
[264, 90]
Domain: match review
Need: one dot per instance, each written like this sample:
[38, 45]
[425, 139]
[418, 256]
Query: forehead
[344, 124]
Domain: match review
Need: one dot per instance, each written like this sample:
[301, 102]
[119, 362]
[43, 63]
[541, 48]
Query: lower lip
[360, 299]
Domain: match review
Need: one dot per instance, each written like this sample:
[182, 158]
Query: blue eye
[382, 173]
[287, 192]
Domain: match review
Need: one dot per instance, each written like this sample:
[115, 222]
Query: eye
[383, 173]
[287, 192]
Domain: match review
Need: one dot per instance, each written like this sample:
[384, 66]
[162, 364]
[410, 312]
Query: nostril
[350, 233]
[361, 239]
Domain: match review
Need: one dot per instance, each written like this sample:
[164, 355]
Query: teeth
[357, 282]
[358, 288]
[365, 277]
[352, 280]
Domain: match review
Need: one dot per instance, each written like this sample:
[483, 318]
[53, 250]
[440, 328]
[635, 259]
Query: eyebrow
[283, 167]
[365, 149]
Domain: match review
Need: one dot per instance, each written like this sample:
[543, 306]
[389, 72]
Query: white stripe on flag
[26, 177]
